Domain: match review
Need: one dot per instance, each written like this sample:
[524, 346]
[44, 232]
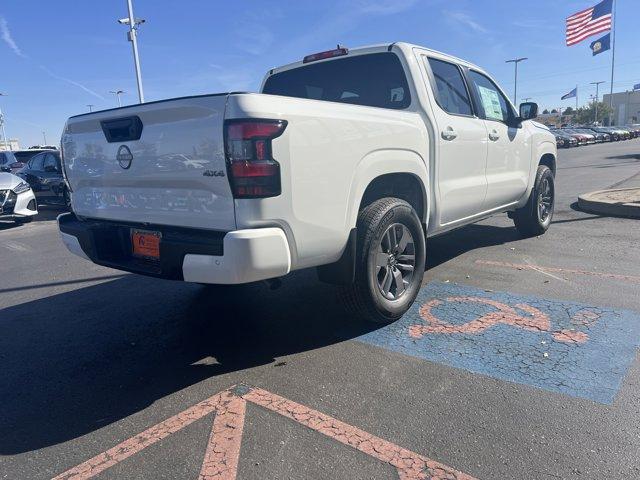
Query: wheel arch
[548, 159]
[400, 173]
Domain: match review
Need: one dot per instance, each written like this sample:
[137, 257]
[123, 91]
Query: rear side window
[36, 163]
[450, 89]
[375, 80]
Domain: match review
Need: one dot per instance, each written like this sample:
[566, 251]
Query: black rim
[545, 200]
[395, 261]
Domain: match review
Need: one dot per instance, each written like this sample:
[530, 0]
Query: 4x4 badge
[124, 157]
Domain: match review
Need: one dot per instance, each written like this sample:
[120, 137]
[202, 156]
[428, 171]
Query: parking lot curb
[620, 202]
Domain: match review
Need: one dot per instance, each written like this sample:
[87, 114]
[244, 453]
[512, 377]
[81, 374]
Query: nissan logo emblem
[124, 157]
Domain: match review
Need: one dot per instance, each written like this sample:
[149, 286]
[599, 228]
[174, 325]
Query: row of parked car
[29, 178]
[574, 136]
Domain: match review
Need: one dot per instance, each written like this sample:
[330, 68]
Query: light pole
[596, 84]
[117, 93]
[4, 135]
[90, 105]
[132, 37]
[44, 137]
[516, 61]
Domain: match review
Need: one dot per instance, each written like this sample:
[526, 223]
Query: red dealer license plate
[145, 243]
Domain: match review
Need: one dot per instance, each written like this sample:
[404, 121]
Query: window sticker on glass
[490, 103]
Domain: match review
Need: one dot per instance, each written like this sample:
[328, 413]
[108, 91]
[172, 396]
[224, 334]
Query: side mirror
[528, 110]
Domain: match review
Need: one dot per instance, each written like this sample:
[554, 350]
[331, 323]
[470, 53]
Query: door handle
[493, 136]
[448, 133]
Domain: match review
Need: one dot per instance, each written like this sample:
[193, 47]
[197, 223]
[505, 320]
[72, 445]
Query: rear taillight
[253, 172]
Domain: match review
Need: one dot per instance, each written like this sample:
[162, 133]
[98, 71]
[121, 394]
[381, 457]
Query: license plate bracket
[145, 244]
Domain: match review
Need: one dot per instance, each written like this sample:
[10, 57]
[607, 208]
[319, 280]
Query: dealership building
[626, 107]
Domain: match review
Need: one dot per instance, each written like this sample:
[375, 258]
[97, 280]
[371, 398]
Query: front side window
[375, 80]
[492, 101]
[450, 89]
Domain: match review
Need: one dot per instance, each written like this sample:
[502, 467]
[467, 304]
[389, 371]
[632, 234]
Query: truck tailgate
[156, 163]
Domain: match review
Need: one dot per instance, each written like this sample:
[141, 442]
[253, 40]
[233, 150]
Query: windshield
[375, 80]
[6, 158]
[25, 155]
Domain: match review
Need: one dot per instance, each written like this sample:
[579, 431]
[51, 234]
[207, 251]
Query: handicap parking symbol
[565, 347]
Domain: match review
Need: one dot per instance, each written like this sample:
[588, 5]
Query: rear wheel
[535, 217]
[390, 261]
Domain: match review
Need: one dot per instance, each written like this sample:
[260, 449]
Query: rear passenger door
[461, 143]
[32, 174]
[509, 152]
[51, 178]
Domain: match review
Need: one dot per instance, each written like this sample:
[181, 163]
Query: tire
[535, 217]
[383, 293]
[23, 220]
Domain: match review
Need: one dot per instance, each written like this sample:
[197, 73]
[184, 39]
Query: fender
[382, 162]
[540, 147]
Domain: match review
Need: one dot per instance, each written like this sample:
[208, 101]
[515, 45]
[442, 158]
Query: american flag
[589, 22]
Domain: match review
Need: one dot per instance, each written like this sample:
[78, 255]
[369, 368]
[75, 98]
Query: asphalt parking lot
[519, 360]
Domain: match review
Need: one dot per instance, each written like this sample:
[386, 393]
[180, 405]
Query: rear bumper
[193, 255]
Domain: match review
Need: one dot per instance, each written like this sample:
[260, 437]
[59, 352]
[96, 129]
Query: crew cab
[346, 161]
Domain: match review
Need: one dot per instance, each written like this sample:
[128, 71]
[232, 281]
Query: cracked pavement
[91, 358]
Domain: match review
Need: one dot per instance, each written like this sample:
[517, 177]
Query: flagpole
[576, 97]
[613, 56]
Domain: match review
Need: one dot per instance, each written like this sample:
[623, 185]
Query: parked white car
[346, 161]
[17, 201]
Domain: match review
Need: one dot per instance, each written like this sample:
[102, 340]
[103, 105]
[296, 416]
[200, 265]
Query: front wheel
[390, 261]
[535, 217]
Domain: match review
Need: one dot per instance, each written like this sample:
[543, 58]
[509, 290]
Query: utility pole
[134, 24]
[4, 135]
[516, 61]
[44, 137]
[117, 93]
[90, 105]
[596, 84]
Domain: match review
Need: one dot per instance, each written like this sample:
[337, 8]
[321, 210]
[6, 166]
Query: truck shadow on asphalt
[77, 361]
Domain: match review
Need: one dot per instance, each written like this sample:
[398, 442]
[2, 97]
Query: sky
[59, 56]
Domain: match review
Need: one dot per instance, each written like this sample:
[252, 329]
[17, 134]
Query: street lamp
[596, 84]
[4, 135]
[516, 61]
[117, 93]
[90, 105]
[44, 137]
[134, 23]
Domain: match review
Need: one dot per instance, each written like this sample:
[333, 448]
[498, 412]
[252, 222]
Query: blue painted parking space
[564, 347]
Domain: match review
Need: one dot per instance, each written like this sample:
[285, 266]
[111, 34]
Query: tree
[554, 111]
[568, 111]
[545, 112]
[587, 114]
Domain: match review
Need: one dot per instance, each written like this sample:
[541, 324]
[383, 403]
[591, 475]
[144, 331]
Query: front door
[508, 160]
[461, 142]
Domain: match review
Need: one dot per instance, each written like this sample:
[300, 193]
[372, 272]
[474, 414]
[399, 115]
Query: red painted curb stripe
[525, 266]
[223, 451]
[410, 465]
[139, 442]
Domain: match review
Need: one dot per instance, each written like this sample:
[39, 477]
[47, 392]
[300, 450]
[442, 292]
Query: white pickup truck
[346, 161]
